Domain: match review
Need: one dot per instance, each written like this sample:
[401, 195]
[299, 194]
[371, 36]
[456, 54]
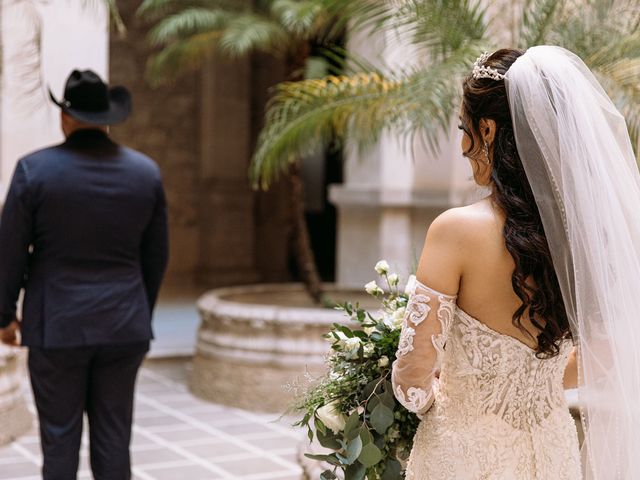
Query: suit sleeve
[155, 247]
[16, 234]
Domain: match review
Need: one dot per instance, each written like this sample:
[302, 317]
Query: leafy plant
[419, 102]
[352, 411]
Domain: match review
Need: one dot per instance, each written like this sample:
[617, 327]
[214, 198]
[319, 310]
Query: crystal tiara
[482, 71]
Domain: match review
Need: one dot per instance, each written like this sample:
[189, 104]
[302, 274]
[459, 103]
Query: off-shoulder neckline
[487, 328]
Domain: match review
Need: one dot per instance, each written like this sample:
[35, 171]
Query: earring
[486, 153]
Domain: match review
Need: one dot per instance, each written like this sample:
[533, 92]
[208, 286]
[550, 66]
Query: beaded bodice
[491, 408]
[499, 375]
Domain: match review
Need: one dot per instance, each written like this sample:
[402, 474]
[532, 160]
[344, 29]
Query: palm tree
[305, 116]
[187, 31]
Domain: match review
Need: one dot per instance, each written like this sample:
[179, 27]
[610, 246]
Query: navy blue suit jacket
[84, 231]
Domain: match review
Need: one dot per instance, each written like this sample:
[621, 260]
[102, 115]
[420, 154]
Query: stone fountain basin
[257, 343]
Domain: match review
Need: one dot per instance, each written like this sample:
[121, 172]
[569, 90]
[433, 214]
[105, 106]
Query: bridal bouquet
[352, 410]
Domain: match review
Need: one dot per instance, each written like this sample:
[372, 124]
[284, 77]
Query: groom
[84, 232]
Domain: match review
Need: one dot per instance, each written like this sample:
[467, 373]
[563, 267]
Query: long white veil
[578, 157]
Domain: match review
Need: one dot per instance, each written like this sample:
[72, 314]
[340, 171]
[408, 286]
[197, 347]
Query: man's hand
[9, 334]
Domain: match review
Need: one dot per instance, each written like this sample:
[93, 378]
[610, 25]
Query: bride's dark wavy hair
[523, 231]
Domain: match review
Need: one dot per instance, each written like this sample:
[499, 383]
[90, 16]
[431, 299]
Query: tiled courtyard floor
[177, 436]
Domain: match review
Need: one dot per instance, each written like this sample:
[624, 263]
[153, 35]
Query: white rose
[332, 417]
[369, 330]
[393, 279]
[389, 322]
[383, 361]
[351, 346]
[382, 267]
[368, 349]
[411, 285]
[398, 317]
[372, 288]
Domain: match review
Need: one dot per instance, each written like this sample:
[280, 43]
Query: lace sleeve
[424, 333]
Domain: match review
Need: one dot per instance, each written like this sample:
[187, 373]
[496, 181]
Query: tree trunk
[305, 259]
[304, 256]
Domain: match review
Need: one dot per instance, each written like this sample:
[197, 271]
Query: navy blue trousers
[98, 380]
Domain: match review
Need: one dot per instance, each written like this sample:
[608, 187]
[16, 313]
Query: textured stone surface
[257, 344]
[15, 418]
[177, 436]
[201, 130]
[165, 124]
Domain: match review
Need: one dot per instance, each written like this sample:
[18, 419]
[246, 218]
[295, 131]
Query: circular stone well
[256, 343]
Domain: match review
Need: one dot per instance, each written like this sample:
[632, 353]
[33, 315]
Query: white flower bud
[383, 361]
[368, 349]
[372, 288]
[382, 267]
[393, 279]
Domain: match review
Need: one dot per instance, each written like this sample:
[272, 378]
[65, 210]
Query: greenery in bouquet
[352, 410]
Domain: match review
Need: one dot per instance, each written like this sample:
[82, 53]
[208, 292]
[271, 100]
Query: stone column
[226, 203]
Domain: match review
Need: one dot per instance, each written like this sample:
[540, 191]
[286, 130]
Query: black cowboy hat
[88, 99]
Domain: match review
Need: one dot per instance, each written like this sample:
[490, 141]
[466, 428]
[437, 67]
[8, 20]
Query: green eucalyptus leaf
[370, 455]
[353, 450]
[387, 397]
[381, 418]
[392, 470]
[367, 391]
[355, 471]
[373, 403]
[328, 440]
[320, 427]
[352, 422]
[365, 436]
[328, 475]
[331, 459]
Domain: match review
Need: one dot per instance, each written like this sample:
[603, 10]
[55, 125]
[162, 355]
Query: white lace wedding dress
[490, 408]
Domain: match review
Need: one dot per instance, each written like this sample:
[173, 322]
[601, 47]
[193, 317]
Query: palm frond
[304, 117]
[537, 20]
[25, 61]
[442, 27]
[158, 9]
[191, 21]
[300, 18]
[620, 79]
[113, 11]
[180, 57]
[359, 15]
[249, 32]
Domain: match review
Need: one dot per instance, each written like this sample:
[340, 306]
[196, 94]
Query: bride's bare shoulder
[469, 223]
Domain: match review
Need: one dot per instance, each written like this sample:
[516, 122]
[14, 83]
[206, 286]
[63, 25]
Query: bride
[531, 290]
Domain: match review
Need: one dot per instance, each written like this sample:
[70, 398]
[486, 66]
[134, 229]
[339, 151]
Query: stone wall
[165, 125]
[201, 130]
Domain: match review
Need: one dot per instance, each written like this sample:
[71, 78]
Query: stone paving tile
[177, 436]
